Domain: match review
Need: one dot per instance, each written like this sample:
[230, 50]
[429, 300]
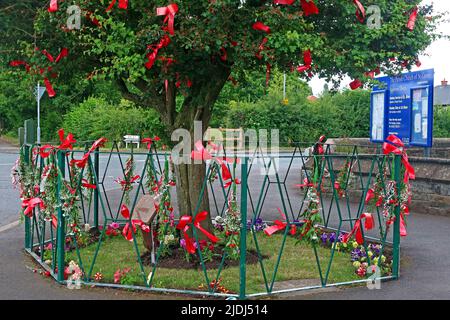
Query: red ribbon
[307, 60]
[202, 154]
[393, 145]
[259, 26]
[66, 143]
[45, 151]
[123, 4]
[368, 225]
[279, 225]
[126, 232]
[149, 141]
[53, 6]
[64, 53]
[169, 13]
[309, 7]
[184, 225]
[30, 204]
[360, 11]
[99, 143]
[370, 195]
[164, 42]
[355, 84]
[412, 19]
[17, 63]
[318, 147]
[403, 231]
[88, 185]
[305, 184]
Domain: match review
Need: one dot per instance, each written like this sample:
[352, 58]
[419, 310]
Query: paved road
[424, 274]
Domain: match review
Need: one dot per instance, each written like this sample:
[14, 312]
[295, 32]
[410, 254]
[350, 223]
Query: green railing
[340, 180]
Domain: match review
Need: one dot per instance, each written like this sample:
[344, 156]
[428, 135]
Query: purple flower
[341, 237]
[324, 237]
[332, 237]
[183, 243]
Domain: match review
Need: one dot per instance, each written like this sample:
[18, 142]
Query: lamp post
[38, 94]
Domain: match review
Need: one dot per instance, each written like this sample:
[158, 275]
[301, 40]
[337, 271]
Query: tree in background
[180, 69]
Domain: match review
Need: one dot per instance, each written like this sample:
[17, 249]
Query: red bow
[412, 19]
[66, 143]
[126, 232]
[164, 42]
[393, 145]
[279, 225]
[149, 141]
[64, 53]
[203, 154]
[53, 6]
[123, 4]
[30, 204]
[368, 225]
[307, 60]
[169, 13]
[184, 225]
[360, 11]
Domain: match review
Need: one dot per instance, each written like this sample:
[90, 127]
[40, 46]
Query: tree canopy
[213, 41]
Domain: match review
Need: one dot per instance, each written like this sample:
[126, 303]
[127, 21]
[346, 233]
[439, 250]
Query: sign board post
[403, 105]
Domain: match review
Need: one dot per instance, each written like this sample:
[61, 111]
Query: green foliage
[441, 122]
[336, 115]
[97, 117]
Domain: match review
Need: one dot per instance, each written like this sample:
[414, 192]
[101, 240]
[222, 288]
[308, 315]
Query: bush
[335, 115]
[441, 122]
[96, 117]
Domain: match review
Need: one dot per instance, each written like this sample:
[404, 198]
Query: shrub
[96, 117]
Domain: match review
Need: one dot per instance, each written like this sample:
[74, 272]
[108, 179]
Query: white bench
[132, 139]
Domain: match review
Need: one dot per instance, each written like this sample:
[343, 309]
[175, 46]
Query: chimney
[444, 82]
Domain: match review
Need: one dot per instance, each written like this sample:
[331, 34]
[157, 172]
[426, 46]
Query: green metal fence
[270, 187]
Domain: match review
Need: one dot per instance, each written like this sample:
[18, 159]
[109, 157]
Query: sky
[436, 56]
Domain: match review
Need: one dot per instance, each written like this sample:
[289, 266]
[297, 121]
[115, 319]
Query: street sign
[403, 105]
[39, 92]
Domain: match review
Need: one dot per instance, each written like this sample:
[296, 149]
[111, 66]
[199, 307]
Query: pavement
[424, 267]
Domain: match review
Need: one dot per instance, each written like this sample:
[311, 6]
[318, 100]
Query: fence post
[28, 240]
[243, 240]
[61, 235]
[396, 239]
[96, 191]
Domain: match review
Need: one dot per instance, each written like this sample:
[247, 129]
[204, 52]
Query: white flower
[87, 227]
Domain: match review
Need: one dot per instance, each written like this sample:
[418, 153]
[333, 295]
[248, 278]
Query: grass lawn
[297, 262]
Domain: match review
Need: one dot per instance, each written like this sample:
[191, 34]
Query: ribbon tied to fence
[185, 224]
[394, 145]
[357, 228]
[131, 228]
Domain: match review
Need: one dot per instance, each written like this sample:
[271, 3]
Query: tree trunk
[191, 177]
[191, 200]
[197, 106]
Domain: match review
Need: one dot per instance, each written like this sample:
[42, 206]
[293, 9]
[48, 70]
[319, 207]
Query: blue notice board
[403, 105]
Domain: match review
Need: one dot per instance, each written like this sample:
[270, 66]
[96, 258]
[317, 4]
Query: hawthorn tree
[181, 71]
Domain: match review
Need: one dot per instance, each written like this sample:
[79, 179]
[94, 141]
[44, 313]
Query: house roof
[442, 94]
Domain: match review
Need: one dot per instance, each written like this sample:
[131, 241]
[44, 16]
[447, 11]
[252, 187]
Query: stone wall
[431, 188]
